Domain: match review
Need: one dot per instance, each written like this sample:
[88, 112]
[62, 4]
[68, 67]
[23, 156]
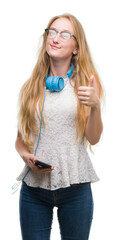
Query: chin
[55, 56]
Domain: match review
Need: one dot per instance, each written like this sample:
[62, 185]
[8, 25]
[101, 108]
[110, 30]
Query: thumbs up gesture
[91, 81]
[88, 95]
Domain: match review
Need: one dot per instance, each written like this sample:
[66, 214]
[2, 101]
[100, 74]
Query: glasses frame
[71, 35]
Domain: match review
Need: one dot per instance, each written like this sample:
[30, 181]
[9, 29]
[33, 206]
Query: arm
[28, 157]
[94, 126]
[21, 147]
[89, 96]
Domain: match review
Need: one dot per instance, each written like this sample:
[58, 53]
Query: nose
[56, 38]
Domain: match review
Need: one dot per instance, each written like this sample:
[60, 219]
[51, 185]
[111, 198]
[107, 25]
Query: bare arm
[21, 147]
[89, 96]
[28, 157]
[94, 126]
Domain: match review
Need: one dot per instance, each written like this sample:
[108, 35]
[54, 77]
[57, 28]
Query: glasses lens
[65, 35]
[51, 32]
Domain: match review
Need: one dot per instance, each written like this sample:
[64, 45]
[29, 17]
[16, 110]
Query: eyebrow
[65, 30]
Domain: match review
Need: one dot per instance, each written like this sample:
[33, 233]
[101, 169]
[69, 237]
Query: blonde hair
[33, 89]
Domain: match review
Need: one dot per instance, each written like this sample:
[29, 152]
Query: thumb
[91, 81]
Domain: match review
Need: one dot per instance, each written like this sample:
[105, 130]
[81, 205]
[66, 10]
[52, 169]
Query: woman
[71, 118]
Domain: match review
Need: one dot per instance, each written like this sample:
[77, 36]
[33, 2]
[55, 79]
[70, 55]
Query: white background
[22, 22]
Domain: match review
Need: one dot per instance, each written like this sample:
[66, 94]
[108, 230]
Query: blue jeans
[75, 212]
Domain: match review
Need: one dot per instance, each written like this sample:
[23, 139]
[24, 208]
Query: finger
[83, 98]
[33, 159]
[83, 88]
[45, 170]
[84, 103]
[91, 81]
[30, 163]
[81, 93]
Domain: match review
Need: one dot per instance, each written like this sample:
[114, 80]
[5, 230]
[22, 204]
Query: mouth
[55, 47]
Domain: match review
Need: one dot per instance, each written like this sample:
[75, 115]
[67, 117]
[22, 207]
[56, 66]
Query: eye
[65, 35]
[52, 32]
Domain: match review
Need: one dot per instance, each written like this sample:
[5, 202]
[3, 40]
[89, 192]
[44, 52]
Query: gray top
[58, 145]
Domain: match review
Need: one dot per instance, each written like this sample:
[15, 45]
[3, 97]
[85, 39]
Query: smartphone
[42, 164]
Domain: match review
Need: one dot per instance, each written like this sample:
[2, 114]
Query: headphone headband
[70, 71]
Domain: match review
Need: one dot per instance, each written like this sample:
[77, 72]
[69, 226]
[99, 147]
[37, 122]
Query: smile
[55, 47]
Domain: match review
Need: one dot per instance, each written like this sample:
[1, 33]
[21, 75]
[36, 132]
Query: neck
[59, 68]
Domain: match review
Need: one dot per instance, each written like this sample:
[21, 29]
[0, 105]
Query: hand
[30, 159]
[88, 94]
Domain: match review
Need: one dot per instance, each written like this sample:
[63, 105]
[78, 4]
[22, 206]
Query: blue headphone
[57, 83]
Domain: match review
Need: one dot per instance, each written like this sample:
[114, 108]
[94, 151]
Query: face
[57, 47]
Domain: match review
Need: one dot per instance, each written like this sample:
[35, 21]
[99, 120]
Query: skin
[61, 50]
[89, 96]
[60, 53]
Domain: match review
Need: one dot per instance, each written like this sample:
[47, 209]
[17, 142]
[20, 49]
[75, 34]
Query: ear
[75, 51]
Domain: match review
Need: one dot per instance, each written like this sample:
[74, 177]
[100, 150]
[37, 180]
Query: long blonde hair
[33, 89]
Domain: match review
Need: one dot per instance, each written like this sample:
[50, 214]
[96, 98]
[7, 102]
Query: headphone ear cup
[54, 83]
[49, 81]
[57, 83]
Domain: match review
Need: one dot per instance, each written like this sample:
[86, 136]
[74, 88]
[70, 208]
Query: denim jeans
[74, 211]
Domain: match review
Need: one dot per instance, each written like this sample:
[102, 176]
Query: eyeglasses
[64, 35]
